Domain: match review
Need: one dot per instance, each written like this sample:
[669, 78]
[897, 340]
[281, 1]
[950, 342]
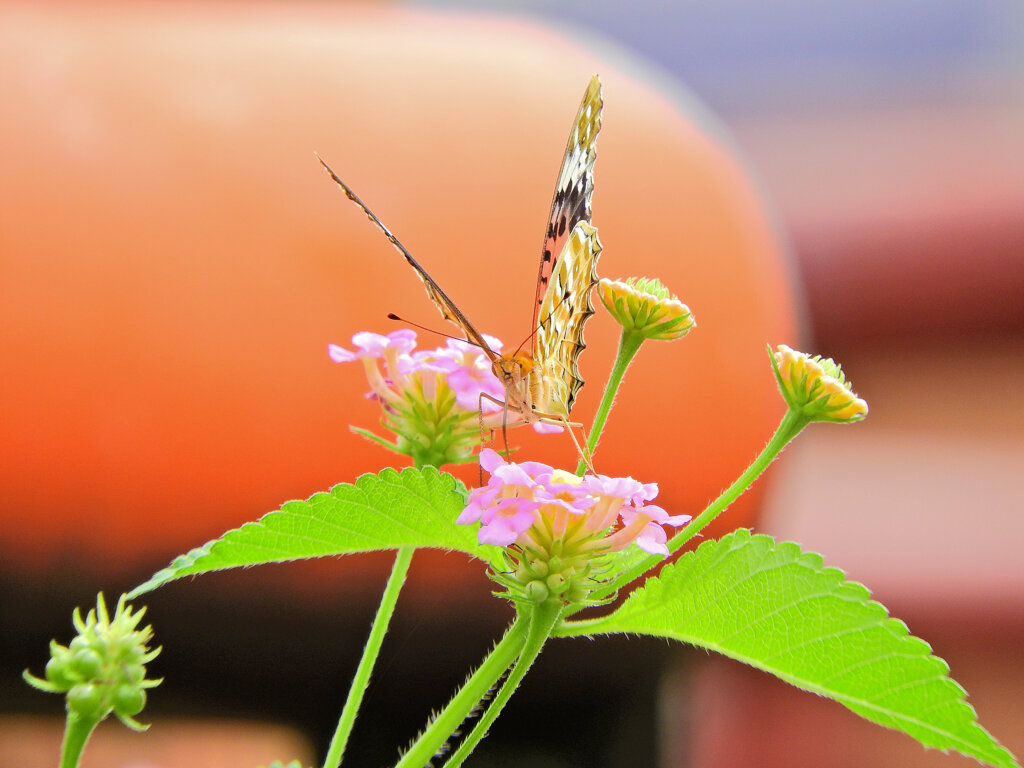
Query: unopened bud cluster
[816, 387]
[103, 669]
[644, 306]
[539, 576]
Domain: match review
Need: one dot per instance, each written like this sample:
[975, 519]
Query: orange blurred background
[174, 263]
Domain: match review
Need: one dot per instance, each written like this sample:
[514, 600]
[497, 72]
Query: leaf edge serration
[983, 748]
[387, 484]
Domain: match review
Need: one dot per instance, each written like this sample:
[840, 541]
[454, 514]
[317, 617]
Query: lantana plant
[556, 542]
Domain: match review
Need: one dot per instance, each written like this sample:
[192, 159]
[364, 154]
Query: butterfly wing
[574, 188]
[444, 305]
[564, 309]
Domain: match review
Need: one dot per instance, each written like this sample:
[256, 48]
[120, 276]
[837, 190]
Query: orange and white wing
[574, 188]
[564, 309]
[444, 304]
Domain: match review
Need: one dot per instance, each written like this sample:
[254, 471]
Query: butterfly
[541, 385]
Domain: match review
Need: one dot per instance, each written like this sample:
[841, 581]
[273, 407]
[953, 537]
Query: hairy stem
[77, 731]
[542, 621]
[470, 695]
[370, 653]
[788, 428]
[629, 345]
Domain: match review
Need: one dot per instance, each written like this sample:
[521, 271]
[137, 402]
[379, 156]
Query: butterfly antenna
[437, 295]
[393, 316]
[351, 195]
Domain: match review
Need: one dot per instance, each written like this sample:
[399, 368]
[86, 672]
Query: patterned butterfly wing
[444, 305]
[574, 188]
[567, 273]
[565, 307]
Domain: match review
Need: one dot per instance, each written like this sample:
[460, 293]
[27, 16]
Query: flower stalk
[371, 651]
[441, 728]
[543, 618]
[77, 730]
[790, 426]
[629, 344]
[815, 389]
[646, 310]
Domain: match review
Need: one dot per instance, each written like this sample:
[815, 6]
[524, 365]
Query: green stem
[77, 731]
[789, 428]
[542, 621]
[468, 697]
[629, 345]
[373, 643]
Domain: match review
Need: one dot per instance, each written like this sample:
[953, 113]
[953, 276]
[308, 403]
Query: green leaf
[414, 508]
[779, 609]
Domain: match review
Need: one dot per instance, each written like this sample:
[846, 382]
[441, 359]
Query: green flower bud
[556, 582]
[87, 664]
[129, 699]
[57, 673]
[537, 592]
[816, 387]
[646, 307]
[86, 700]
[103, 667]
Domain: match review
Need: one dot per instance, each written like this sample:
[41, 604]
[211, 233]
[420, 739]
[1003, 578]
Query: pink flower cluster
[431, 399]
[464, 368]
[534, 506]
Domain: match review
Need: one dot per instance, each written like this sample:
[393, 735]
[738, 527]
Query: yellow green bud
[645, 306]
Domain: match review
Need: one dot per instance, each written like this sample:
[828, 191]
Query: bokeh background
[848, 177]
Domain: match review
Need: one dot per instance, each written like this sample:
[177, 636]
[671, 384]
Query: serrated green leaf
[412, 508]
[779, 609]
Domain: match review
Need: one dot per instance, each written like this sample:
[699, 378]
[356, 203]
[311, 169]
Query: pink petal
[404, 339]
[498, 534]
[479, 499]
[370, 344]
[652, 539]
[340, 355]
[503, 522]
[513, 474]
[468, 383]
[535, 469]
[541, 428]
[490, 460]
[656, 513]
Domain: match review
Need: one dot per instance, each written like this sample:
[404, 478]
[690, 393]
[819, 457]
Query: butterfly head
[513, 367]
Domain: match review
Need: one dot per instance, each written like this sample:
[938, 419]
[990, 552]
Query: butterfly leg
[560, 421]
[483, 429]
[581, 447]
[546, 418]
[504, 419]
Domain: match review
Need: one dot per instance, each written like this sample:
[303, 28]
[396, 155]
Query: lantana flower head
[557, 527]
[646, 307]
[431, 399]
[103, 668]
[816, 387]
